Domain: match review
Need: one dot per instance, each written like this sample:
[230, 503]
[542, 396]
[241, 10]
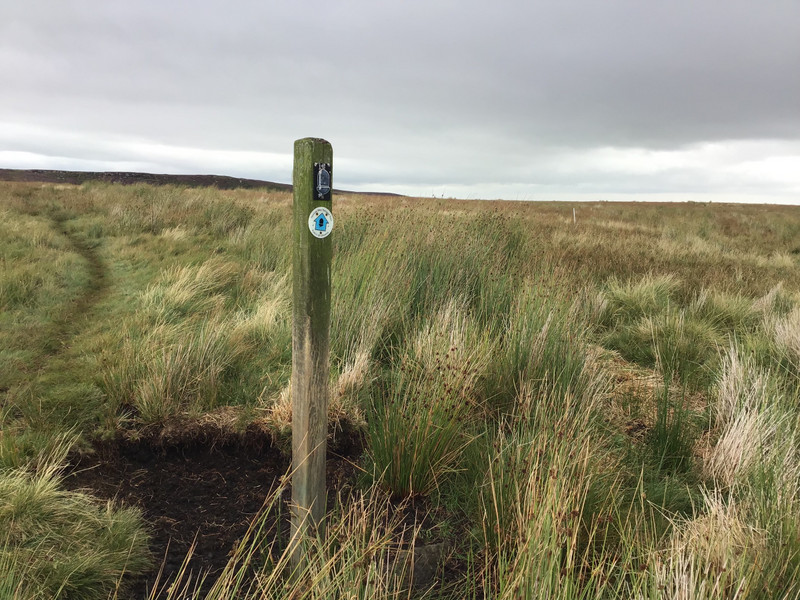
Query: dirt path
[72, 321]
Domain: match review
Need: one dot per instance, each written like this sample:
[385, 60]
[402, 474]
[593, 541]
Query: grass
[63, 544]
[600, 409]
[415, 432]
[41, 273]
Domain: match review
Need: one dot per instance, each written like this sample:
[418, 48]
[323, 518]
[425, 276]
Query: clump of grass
[534, 499]
[150, 209]
[345, 417]
[774, 346]
[268, 319]
[678, 346]
[671, 439]
[59, 544]
[777, 301]
[632, 300]
[199, 336]
[742, 386]
[713, 556]
[370, 292]
[185, 292]
[542, 345]
[419, 422]
[452, 346]
[262, 243]
[173, 369]
[747, 416]
[364, 317]
[25, 448]
[785, 334]
[728, 313]
[728, 550]
[187, 374]
[415, 431]
[754, 462]
[646, 323]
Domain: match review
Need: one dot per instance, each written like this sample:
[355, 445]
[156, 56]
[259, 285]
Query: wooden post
[311, 268]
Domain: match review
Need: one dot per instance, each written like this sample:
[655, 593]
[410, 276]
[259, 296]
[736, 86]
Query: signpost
[311, 271]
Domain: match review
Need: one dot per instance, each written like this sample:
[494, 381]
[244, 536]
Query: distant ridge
[222, 182]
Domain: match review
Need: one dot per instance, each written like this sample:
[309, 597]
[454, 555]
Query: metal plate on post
[320, 222]
[323, 176]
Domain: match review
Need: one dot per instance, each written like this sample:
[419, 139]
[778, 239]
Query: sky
[520, 100]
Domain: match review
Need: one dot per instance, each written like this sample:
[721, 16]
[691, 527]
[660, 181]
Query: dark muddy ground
[193, 492]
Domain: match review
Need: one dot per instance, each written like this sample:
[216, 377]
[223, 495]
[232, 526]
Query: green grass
[57, 543]
[672, 438]
[415, 432]
[41, 273]
[605, 409]
[656, 324]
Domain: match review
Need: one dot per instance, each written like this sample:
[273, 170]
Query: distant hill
[77, 177]
[222, 182]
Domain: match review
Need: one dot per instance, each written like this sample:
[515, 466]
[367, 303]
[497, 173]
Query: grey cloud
[426, 91]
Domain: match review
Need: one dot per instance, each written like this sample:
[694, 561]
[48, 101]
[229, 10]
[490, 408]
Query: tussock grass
[655, 325]
[633, 300]
[542, 344]
[268, 319]
[185, 375]
[170, 370]
[725, 312]
[544, 533]
[672, 437]
[370, 292]
[748, 416]
[59, 544]
[415, 431]
[452, 347]
[189, 291]
[713, 556]
[681, 346]
[188, 343]
[786, 339]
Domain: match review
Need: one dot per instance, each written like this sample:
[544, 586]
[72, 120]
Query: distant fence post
[311, 272]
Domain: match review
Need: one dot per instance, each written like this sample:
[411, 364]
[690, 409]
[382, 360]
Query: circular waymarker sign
[320, 222]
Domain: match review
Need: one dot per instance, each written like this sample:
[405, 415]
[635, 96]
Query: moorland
[524, 404]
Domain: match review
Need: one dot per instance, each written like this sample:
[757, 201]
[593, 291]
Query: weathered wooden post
[313, 222]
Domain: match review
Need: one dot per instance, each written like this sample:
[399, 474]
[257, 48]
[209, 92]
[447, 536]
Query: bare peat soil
[193, 493]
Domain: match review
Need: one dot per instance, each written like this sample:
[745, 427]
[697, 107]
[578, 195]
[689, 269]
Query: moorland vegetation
[606, 408]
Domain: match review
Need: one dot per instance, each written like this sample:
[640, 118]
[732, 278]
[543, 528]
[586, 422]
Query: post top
[312, 140]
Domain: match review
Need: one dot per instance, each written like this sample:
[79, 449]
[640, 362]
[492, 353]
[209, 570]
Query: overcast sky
[527, 100]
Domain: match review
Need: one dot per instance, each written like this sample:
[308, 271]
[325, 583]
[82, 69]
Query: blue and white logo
[320, 222]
